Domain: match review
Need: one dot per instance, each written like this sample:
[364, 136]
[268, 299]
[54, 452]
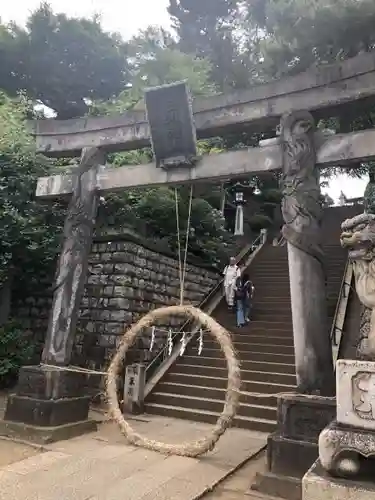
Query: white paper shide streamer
[200, 347]
[152, 342]
[183, 344]
[170, 342]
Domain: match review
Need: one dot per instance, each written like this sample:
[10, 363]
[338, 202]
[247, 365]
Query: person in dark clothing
[248, 293]
[244, 290]
[239, 302]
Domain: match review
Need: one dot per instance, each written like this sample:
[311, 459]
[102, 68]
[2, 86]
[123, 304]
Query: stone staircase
[195, 386]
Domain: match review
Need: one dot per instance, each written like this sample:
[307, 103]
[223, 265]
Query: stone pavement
[101, 466]
[237, 485]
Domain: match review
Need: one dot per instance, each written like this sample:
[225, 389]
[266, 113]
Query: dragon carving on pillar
[301, 206]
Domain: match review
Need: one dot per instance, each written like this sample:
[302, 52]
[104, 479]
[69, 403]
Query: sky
[127, 17]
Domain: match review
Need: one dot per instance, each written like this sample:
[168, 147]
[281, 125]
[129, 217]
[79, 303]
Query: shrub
[259, 221]
[16, 350]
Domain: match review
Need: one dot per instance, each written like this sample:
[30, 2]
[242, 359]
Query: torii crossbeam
[321, 90]
[335, 150]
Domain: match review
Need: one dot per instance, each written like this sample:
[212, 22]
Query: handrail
[245, 256]
[340, 312]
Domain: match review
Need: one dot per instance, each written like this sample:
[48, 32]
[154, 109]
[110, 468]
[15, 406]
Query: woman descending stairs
[195, 386]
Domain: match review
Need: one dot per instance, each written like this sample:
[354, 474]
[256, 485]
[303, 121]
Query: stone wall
[127, 278]
[32, 307]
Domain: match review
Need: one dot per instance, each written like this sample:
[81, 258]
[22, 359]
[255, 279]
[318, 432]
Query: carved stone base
[347, 451]
[48, 399]
[356, 393]
[318, 485]
[293, 448]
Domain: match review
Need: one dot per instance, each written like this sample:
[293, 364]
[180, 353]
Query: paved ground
[237, 485]
[100, 466]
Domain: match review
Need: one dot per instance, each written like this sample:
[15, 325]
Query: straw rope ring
[222, 336]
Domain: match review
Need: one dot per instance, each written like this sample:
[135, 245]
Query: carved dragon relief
[301, 205]
[78, 229]
[302, 213]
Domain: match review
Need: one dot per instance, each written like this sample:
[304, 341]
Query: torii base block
[293, 448]
[49, 404]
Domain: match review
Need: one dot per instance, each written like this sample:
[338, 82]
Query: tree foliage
[29, 230]
[154, 59]
[62, 62]
[295, 34]
[16, 350]
[208, 29]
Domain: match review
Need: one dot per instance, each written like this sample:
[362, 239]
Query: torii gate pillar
[50, 402]
[303, 212]
[301, 417]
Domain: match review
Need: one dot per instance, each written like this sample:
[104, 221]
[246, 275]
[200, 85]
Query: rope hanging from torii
[220, 334]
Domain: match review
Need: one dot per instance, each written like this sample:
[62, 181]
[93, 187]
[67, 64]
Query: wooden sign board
[172, 129]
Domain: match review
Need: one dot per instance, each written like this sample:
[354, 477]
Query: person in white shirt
[231, 273]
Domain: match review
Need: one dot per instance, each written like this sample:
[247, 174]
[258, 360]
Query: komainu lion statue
[358, 235]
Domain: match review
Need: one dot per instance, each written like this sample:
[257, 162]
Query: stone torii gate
[300, 152]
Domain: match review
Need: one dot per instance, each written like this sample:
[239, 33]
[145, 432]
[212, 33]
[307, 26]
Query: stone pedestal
[293, 448]
[347, 445]
[317, 484]
[49, 404]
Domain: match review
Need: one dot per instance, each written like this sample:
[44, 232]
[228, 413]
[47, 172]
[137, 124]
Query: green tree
[62, 62]
[296, 34]
[155, 60]
[208, 29]
[29, 231]
[11, 57]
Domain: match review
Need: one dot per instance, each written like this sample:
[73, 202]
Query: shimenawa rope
[222, 336]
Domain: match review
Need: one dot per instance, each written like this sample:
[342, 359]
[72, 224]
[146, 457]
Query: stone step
[271, 320]
[195, 386]
[215, 393]
[271, 327]
[282, 308]
[287, 487]
[249, 355]
[264, 301]
[230, 324]
[281, 262]
[212, 405]
[258, 365]
[244, 347]
[254, 424]
[245, 365]
[283, 283]
[257, 314]
[271, 316]
[246, 375]
[249, 337]
[258, 386]
[281, 311]
[238, 333]
[333, 260]
[234, 331]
